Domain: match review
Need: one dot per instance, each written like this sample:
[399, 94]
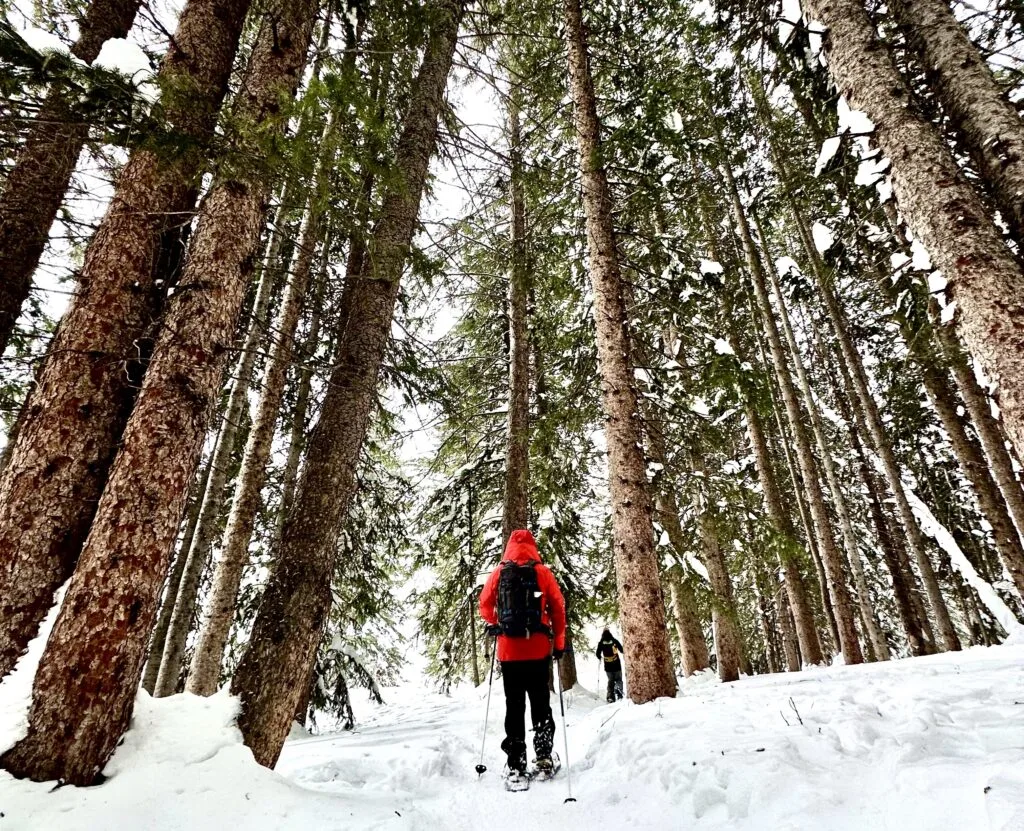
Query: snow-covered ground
[927, 743]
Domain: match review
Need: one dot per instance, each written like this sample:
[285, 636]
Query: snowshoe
[516, 780]
[544, 769]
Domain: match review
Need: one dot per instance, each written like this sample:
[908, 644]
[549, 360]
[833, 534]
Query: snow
[938, 532]
[824, 239]
[710, 267]
[723, 347]
[790, 17]
[41, 40]
[925, 743]
[124, 56]
[829, 148]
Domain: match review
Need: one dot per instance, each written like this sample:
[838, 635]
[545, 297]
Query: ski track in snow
[926, 743]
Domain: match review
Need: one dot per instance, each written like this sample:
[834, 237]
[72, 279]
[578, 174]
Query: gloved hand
[492, 630]
[557, 654]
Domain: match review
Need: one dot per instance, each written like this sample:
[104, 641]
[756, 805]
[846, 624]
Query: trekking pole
[481, 768]
[565, 733]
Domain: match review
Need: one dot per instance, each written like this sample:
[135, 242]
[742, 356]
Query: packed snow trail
[924, 744]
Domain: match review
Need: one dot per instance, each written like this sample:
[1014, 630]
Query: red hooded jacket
[522, 549]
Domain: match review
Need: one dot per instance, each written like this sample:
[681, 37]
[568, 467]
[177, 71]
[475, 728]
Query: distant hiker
[609, 650]
[524, 607]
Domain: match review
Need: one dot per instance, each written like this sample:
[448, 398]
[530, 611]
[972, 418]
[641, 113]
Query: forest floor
[913, 745]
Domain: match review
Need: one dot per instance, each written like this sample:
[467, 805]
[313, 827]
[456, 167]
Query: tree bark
[567, 665]
[790, 642]
[853, 556]
[163, 621]
[803, 614]
[90, 670]
[204, 674]
[991, 127]
[642, 612]
[517, 481]
[692, 645]
[37, 182]
[724, 620]
[940, 205]
[831, 557]
[806, 520]
[796, 591]
[198, 553]
[50, 488]
[297, 598]
[904, 584]
[303, 389]
[854, 368]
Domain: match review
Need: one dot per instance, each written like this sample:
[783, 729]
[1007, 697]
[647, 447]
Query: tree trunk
[806, 520]
[650, 671]
[991, 127]
[853, 556]
[37, 182]
[297, 598]
[692, 645]
[940, 205]
[854, 368]
[567, 665]
[853, 372]
[50, 488]
[790, 642]
[724, 621]
[213, 635]
[517, 482]
[769, 633]
[803, 614]
[975, 467]
[90, 670]
[831, 557]
[297, 431]
[904, 584]
[163, 621]
[198, 553]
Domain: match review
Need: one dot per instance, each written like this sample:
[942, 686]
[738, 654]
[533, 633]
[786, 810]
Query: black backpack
[519, 600]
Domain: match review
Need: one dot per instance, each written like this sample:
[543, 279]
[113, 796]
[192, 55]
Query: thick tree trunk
[297, 598]
[803, 614]
[642, 612]
[198, 553]
[163, 620]
[517, 481]
[50, 488]
[204, 674]
[90, 670]
[940, 205]
[991, 127]
[832, 559]
[37, 182]
[692, 645]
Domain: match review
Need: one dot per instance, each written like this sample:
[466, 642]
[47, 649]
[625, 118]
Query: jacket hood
[521, 548]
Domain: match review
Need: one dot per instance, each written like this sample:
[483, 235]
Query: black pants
[522, 679]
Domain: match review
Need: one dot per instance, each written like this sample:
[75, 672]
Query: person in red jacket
[524, 658]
